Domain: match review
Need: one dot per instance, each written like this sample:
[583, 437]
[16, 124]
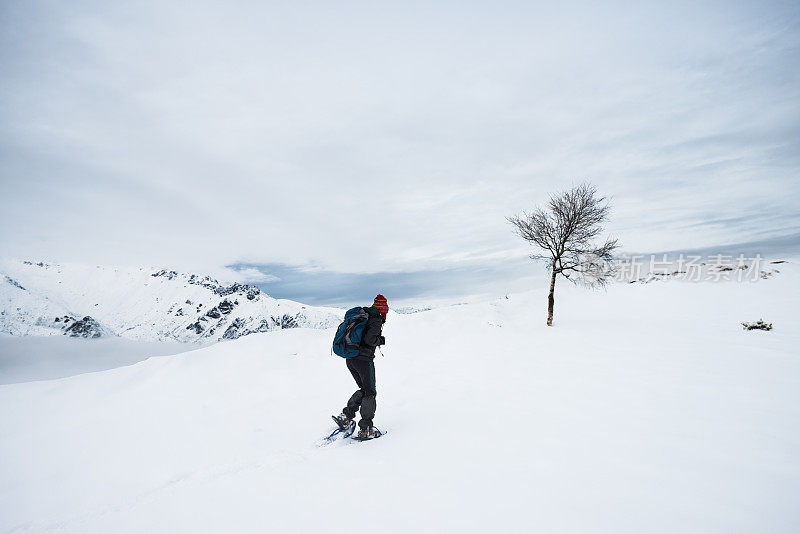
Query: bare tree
[565, 231]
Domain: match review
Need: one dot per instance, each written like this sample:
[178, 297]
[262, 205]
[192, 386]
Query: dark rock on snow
[86, 327]
[225, 307]
[196, 326]
[14, 283]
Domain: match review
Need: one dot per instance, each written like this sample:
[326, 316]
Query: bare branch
[566, 231]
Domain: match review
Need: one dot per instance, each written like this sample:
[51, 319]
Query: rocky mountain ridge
[145, 304]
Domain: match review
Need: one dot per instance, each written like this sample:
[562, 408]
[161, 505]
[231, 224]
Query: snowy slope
[141, 304]
[646, 408]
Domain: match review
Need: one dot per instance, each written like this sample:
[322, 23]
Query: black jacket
[372, 334]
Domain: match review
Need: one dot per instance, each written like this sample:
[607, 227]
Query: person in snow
[362, 367]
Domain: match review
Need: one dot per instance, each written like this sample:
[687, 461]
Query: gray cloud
[321, 286]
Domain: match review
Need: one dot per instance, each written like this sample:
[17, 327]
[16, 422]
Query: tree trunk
[551, 299]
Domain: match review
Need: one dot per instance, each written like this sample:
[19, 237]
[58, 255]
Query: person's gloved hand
[381, 340]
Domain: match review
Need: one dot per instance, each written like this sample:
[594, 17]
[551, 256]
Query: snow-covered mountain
[42, 299]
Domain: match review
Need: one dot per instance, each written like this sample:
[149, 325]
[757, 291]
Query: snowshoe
[365, 434]
[342, 421]
[345, 432]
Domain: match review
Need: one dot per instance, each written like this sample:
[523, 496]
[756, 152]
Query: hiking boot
[368, 433]
[343, 421]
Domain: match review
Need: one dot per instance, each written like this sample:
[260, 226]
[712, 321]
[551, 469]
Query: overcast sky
[367, 138]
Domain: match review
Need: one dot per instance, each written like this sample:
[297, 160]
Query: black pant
[364, 373]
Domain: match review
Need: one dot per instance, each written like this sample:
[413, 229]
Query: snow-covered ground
[647, 408]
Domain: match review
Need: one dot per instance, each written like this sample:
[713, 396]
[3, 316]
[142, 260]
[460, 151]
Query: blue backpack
[347, 341]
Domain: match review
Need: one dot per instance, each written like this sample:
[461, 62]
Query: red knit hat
[381, 304]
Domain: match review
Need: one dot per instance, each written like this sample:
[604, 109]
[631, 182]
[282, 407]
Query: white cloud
[254, 275]
[364, 138]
